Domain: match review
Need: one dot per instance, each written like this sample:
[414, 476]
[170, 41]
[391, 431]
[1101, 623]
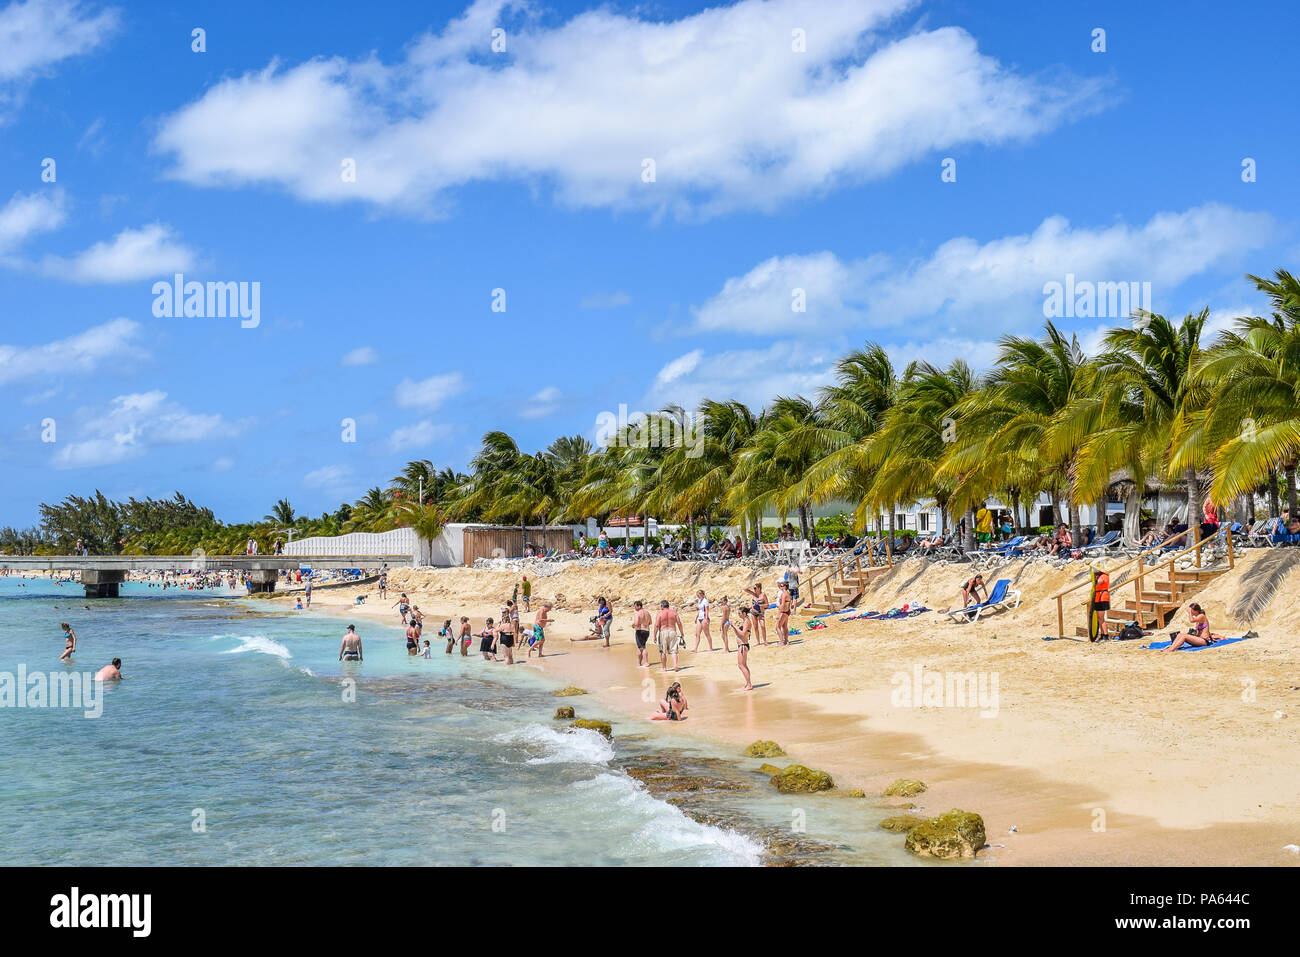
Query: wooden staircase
[836, 586]
[1154, 599]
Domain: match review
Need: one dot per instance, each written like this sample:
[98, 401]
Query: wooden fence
[502, 541]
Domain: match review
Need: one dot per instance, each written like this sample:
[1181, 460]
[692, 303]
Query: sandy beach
[1094, 754]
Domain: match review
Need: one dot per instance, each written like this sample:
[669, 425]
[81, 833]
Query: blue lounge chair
[1108, 541]
[1002, 596]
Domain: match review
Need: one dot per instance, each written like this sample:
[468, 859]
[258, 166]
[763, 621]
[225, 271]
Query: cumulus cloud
[329, 477]
[29, 214]
[37, 35]
[80, 353]
[417, 435]
[132, 424]
[133, 254]
[999, 281]
[730, 110]
[428, 393]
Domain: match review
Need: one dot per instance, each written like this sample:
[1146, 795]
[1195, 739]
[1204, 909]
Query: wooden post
[1231, 558]
[889, 551]
[1060, 618]
[1139, 588]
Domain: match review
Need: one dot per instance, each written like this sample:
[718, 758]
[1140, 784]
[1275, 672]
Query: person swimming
[111, 672]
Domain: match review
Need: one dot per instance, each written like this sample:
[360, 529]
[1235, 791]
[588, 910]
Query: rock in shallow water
[765, 749]
[564, 713]
[796, 779]
[603, 727]
[901, 823]
[950, 836]
[569, 692]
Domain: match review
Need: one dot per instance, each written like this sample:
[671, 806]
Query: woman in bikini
[725, 607]
[742, 651]
[1198, 634]
[69, 642]
[673, 707]
[466, 638]
[757, 611]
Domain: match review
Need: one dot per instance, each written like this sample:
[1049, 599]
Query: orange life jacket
[1103, 588]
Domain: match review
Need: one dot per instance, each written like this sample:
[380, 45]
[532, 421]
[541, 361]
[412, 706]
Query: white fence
[399, 541]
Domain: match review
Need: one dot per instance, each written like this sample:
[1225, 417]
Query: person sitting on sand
[970, 592]
[69, 642]
[674, 705]
[111, 672]
[1198, 633]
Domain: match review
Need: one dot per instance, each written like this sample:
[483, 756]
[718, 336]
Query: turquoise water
[238, 717]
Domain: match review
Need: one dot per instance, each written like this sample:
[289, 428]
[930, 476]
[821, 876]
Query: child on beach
[674, 705]
[428, 652]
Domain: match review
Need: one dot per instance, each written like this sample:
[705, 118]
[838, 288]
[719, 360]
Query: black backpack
[1130, 632]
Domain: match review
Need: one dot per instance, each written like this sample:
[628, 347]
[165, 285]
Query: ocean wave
[576, 746]
[258, 643]
[667, 831]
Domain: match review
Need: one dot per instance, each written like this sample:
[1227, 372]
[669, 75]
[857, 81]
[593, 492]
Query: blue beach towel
[1157, 645]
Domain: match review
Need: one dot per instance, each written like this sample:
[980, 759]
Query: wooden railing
[827, 575]
[1143, 570]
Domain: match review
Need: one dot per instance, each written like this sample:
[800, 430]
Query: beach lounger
[1002, 596]
[1107, 542]
[986, 556]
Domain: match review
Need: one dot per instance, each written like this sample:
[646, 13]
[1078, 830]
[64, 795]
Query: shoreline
[1051, 772]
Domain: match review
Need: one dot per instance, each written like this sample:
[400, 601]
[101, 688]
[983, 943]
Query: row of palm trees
[1158, 407]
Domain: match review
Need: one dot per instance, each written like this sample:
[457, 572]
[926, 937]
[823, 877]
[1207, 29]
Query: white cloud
[542, 404]
[133, 254]
[428, 393]
[80, 353]
[417, 435]
[35, 35]
[1000, 281]
[28, 214]
[134, 423]
[730, 114]
[329, 477]
[753, 376]
[361, 356]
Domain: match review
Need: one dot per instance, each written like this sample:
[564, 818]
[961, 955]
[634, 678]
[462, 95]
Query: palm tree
[1253, 423]
[282, 514]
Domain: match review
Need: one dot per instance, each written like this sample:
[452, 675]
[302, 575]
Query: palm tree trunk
[1274, 506]
[1076, 530]
[523, 531]
[1101, 516]
[1015, 512]
[968, 540]
[1193, 508]
[1290, 487]
[1132, 515]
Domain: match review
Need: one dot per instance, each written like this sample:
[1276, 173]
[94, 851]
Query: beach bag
[1129, 632]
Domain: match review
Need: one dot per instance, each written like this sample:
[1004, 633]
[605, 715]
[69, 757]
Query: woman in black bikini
[488, 645]
[742, 651]
[757, 611]
[673, 707]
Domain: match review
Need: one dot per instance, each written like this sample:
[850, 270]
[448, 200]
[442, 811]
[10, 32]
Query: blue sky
[776, 169]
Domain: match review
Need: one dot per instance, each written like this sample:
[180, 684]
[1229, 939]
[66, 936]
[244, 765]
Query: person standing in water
[466, 638]
[538, 641]
[488, 646]
[350, 649]
[446, 632]
[506, 634]
[69, 642]
[306, 594]
[641, 629]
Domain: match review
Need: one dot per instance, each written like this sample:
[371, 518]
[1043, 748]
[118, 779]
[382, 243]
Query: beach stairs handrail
[1155, 600]
[839, 583]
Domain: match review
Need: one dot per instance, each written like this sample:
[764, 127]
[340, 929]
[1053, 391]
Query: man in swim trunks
[641, 628]
[542, 619]
[784, 604]
[668, 635]
[351, 646]
[111, 672]
[526, 593]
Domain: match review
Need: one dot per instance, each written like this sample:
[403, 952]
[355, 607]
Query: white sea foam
[666, 830]
[549, 746]
[259, 643]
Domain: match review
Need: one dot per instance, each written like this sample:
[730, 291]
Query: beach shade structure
[1002, 596]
